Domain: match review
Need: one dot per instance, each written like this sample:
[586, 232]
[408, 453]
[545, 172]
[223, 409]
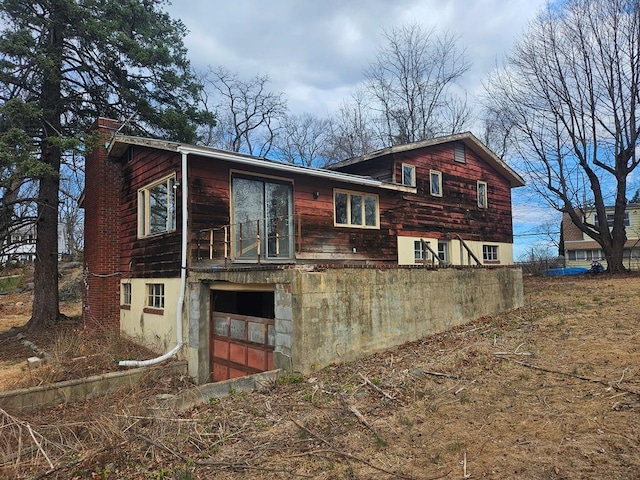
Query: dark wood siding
[314, 228]
[457, 211]
[159, 255]
[316, 237]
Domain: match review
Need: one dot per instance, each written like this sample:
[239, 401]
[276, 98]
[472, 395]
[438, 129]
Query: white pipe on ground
[183, 280]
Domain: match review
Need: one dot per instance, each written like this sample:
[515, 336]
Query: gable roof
[119, 144]
[468, 138]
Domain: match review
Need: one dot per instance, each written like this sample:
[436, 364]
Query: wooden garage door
[240, 345]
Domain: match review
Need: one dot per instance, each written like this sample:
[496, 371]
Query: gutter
[183, 279]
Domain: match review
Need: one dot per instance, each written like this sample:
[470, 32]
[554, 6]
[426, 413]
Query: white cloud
[323, 47]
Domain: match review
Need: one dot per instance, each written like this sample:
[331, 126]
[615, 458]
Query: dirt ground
[548, 391]
[73, 352]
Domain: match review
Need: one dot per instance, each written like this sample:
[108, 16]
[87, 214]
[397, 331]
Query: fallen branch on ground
[375, 387]
[572, 375]
[348, 456]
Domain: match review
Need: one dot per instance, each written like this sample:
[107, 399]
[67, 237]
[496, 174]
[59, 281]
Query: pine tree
[73, 60]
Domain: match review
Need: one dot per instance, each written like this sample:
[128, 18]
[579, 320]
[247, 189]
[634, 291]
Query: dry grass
[549, 391]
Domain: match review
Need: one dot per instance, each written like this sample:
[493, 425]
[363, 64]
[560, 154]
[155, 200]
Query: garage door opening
[242, 333]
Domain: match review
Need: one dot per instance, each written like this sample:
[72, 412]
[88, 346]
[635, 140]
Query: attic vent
[458, 149]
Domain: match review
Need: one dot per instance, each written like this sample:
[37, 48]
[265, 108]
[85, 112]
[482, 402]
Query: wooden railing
[271, 238]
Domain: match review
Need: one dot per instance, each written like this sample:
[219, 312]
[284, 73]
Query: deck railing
[269, 238]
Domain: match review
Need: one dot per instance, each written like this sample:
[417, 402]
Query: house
[19, 245]
[241, 264]
[580, 250]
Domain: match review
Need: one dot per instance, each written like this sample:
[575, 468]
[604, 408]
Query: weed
[380, 442]
[406, 421]
[454, 447]
[290, 378]
[376, 381]
[464, 398]
[8, 284]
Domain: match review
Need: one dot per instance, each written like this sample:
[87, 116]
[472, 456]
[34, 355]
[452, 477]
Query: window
[157, 208]
[420, 253]
[435, 179]
[408, 175]
[443, 251]
[490, 253]
[262, 218]
[585, 254]
[355, 209]
[126, 294]
[627, 221]
[155, 295]
[482, 194]
[458, 151]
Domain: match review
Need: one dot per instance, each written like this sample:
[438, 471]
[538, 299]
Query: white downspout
[183, 280]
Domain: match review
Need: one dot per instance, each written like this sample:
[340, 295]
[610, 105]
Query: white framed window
[126, 294]
[157, 207]
[353, 209]
[443, 251]
[419, 252]
[435, 182]
[482, 194]
[458, 152]
[490, 253]
[610, 216]
[408, 175]
[155, 295]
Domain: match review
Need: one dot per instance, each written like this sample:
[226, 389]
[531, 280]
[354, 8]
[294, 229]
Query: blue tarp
[560, 272]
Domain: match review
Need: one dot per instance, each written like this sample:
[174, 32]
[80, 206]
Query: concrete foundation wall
[340, 314]
[344, 314]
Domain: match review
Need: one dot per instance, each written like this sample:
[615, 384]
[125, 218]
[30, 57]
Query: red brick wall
[103, 184]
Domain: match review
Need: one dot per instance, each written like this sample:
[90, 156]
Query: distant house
[580, 250]
[20, 245]
[243, 264]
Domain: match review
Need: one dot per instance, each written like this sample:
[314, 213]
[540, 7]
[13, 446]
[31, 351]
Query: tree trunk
[615, 256]
[45, 292]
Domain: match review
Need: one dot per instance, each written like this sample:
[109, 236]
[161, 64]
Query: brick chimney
[103, 186]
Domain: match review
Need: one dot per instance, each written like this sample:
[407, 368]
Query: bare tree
[303, 140]
[248, 115]
[352, 129]
[571, 90]
[410, 81]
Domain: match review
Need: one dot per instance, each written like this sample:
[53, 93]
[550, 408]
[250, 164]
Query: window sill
[125, 307]
[491, 262]
[154, 311]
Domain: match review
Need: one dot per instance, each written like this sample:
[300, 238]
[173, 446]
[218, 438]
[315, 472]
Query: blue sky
[315, 53]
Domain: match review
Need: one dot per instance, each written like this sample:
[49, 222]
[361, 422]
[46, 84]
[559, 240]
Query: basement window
[157, 207]
[155, 295]
[490, 253]
[125, 299]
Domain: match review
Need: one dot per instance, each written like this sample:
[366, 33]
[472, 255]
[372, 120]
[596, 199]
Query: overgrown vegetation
[548, 391]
